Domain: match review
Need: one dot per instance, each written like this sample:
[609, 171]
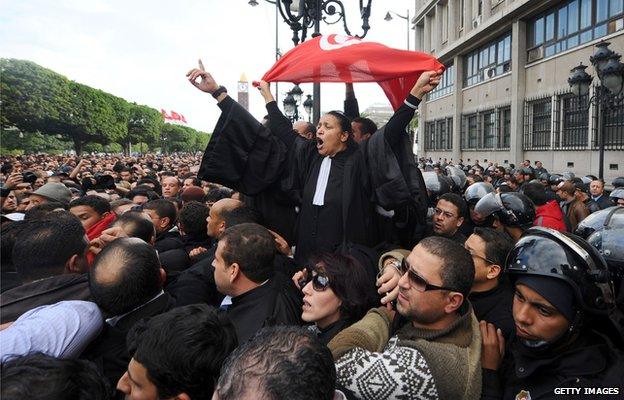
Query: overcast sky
[141, 50]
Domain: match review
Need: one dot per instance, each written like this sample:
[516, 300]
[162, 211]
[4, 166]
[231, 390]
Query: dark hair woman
[337, 292]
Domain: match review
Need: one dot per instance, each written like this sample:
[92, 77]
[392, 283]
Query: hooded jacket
[550, 215]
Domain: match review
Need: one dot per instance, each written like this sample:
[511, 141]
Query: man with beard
[433, 344]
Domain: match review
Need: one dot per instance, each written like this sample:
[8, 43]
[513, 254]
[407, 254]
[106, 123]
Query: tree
[144, 125]
[37, 99]
[32, 96]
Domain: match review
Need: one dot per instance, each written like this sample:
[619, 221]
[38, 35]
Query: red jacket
[550, 215]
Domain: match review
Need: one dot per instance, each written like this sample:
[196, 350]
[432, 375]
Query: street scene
[312, 199]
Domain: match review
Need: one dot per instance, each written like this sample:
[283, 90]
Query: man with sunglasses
[432, 349]
[491, 295]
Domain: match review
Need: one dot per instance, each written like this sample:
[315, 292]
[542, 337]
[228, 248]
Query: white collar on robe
[321, 182]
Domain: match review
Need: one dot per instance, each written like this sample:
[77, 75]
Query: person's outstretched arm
[278, 123]
[397, 124]
[351, 106]
[206, 82]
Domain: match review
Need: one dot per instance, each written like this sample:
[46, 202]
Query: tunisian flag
[341, 58]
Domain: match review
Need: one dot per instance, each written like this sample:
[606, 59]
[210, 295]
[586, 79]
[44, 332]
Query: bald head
[304, 129]
[216, 224]
[125, 275]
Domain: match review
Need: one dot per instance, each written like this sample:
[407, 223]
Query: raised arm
[278, 123]
[351, 106]
[203, 81]
[397, 124]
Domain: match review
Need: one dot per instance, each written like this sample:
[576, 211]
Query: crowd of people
[292, 261]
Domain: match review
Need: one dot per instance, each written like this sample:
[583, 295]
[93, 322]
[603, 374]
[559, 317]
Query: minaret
[243, 92]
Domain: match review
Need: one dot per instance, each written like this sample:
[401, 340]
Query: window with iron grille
[489, 130]
[613, 125]
[439, 134]
[470, 131]
[574, 122]
[537, 124]
[505, 127]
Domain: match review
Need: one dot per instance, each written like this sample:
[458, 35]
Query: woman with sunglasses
[337, 292]
[334, 181]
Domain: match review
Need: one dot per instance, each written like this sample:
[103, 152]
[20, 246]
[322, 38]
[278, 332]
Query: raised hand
[426, 82]
[493, 348]
[265, 91]
[206, 82]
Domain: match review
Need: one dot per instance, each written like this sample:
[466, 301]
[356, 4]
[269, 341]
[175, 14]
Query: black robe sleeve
[351, 107]
[242, 154]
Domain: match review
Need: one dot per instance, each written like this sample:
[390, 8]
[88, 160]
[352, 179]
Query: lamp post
[388, 17]
[609, 94]
[307, 14]
[292, 101]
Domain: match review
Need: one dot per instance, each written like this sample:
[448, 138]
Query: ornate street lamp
[608, 96]
[290, 106]
[292, 101]
[302, 15]
[308, 104]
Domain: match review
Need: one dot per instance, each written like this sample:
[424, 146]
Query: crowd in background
[142, 277]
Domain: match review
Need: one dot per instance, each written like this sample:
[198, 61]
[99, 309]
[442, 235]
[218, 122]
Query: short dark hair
[252, 247]
[350, 282]
[41, 211]
[143, 191]
[368, 126]
[183, 349]
[44, 246]
[39, 376]
[497, 244]
[239, 215]
[118, 203]
[135, 224]
[536, 191]
[97, 203]
[195, 181]
[8, 237]
[164, 208]
[193, 217]
[457, 269]
[457, 201]
[136, 276]
[281, 362]
[218, 193]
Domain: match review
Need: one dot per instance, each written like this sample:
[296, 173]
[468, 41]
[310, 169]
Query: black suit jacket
[109, 350]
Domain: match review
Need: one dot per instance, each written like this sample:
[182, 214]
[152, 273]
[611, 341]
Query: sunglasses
[320, 282]
[418, 282]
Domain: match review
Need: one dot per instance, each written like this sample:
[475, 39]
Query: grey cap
[55, 192]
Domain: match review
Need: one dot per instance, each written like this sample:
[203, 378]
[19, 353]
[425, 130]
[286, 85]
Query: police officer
[562, 291]
[472, 195]
[513, 212]
[612, 217]
[610, 244]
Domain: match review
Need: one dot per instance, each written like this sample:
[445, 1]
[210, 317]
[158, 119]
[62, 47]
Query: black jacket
[494, 306]
[17, 301]
[109, 350]
[168, 240]
[604, 201]
[590, 361]
[277, 302]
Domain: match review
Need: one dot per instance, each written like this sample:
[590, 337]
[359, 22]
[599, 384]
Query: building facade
[504, 96]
